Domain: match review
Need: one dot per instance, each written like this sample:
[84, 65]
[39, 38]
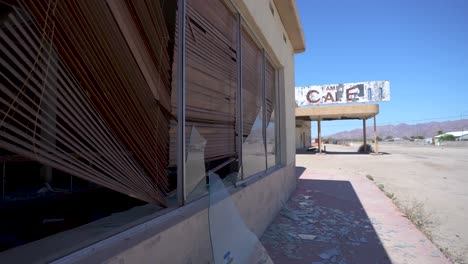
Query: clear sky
[421, 47]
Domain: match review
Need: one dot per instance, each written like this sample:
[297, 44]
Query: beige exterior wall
[303, 134]
[182, 236]
[189, 240]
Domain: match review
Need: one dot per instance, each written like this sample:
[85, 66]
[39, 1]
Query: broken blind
[271, 110]
[211, 78]
[85, 88]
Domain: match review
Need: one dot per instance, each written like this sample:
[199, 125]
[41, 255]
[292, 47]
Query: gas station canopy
[340, 112]
[341, 102]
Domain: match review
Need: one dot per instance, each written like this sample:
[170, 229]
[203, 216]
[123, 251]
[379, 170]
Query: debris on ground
[303, 220]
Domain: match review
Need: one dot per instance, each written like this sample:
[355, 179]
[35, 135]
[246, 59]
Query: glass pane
[195, 184]
[253, 147]
[211, 90]
[231, 239]
[271, 129]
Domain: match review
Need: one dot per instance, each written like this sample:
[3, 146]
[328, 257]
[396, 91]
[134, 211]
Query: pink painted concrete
[334, 218]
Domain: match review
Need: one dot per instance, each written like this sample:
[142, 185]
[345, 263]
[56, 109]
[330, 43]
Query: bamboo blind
[251, 82]
[270, 90]
[86, 89]
[211, 78]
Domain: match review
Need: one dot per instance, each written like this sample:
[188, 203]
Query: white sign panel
[361, 92]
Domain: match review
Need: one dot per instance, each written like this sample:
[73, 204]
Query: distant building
[303, 134]
[459, 135]
[428, 140]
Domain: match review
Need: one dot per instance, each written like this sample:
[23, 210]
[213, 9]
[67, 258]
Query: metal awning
[341, 112]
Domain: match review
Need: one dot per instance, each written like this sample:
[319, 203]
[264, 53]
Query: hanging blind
[85, 88]
[270, 90]
[251, 82]
[211, 78]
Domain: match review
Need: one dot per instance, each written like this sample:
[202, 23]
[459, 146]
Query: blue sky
[420, 46]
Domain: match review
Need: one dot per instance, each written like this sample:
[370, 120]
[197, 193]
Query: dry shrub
[415, 211]
[368, 149]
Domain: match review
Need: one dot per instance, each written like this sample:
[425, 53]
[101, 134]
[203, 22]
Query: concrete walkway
[344, 219]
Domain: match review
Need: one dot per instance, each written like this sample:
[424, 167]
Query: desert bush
[416, 213]
[368, 149]
[447, 138]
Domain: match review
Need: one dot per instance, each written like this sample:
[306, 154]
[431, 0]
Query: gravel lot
[436, 176]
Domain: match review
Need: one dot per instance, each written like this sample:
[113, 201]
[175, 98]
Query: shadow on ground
[323, 222]
[304, 152]
[354, 153]
[299, 171]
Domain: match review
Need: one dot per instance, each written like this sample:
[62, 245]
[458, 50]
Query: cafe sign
[361, 92]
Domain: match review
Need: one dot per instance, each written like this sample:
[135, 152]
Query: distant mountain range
[404, 130]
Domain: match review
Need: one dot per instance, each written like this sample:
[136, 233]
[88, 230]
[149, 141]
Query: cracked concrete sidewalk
[333, 218]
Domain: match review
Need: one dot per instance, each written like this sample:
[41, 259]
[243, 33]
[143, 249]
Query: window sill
[110, 232]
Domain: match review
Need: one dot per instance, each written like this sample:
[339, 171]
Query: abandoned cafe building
[113, 113]
[345, 101]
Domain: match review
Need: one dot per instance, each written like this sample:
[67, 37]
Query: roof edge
[287, 10]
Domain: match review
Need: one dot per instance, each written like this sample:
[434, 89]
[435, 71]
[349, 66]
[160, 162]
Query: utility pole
[463, 128]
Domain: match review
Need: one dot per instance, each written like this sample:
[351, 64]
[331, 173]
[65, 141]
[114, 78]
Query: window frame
[242, 25]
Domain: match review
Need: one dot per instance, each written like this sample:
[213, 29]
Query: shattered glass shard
[329, 253]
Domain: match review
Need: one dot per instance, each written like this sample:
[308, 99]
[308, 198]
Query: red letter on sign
[309, 94]
[348, 94]
[329, 97]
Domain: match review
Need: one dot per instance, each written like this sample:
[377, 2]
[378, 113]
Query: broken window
[211, 90]
[253, 147]
[89, 109]
[271, 92]
[85, 112]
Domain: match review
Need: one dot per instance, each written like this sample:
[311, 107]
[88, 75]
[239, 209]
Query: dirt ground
[435, 176]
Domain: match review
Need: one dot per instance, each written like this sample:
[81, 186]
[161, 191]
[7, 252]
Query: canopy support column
[319, 134]
[376, 145]
[364, 134]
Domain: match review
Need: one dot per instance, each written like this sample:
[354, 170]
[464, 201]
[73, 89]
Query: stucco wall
[188, 240]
